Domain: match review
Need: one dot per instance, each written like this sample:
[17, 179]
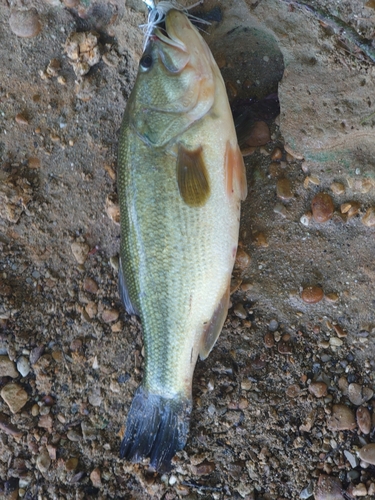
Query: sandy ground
[267, 421]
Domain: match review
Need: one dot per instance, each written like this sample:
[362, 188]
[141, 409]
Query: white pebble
[23, 366]
[172, 480]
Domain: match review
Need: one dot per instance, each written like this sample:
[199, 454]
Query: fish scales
[180, 181]
[179, 253]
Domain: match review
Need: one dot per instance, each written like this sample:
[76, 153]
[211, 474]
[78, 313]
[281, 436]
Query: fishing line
[157, 13]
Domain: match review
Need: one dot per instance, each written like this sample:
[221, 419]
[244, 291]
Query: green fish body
[180, 181]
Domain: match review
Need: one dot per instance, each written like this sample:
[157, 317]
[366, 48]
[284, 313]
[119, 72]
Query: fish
[181, 179]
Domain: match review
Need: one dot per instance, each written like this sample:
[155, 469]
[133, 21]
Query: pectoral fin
[214, 327]
[235, 172]
[192, 177]
[124, 293]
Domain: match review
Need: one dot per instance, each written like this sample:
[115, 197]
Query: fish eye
[146, 61]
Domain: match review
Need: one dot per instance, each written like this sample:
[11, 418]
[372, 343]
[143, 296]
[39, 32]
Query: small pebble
[284, 348]
[363, 419]
[23, 366]
[242, 260]
[276, 154]
[21, 119]
[46, 422]
[273, 325]
[306, 219]
[328, 488]
[312, 294]
[259, 134]
[339, 331]
[277, 336]
[318, 389]
[371, 488]
[350, 209]
[25, 23]
[7, 367]
[57, 356]
[260, 239]
[367, 453]
[53, 67]
[110, 315]
[36, 353]
[80, 251]
[359, 490]
[369, 218]
[343, 385]
[89, 285]
[33, 163]
[71, 464]
[35, 410]
[96, 479]
[335, 341]
[14, 396]
[341, 419]
[91, 309]
[322, 207]
[203, 469]
[73, 435]
[43, 461]
[76, 345]
[366, 186]
[332, 297]
[352, 459]
[117, 327]
[359, 394]
[283, 189]
[308, 491]
[240, 311]
[293, 391]
[337, 188]
[269, 340]
[281, 210]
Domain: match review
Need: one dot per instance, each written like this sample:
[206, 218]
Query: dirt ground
[283, 406]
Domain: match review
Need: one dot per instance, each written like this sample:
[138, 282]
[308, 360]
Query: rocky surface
[284, 406]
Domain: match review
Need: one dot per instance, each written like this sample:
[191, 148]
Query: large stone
[14, 396]
[7, 368]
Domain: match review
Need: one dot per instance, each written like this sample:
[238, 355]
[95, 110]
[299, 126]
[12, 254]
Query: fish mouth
[166, 30]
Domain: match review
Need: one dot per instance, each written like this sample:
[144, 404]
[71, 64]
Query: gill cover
[175, 83]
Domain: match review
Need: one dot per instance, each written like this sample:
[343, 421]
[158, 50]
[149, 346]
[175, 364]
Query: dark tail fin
[157, 427]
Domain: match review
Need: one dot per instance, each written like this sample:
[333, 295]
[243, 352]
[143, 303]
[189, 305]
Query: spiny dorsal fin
[214, 327]
[192, 176]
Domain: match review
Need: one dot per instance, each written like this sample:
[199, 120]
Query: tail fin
[157, 427]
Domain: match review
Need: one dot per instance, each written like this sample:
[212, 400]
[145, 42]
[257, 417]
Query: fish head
[175, 84]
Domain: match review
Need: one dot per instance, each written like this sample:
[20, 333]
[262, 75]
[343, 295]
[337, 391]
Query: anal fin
[124, 293]
[214, 327]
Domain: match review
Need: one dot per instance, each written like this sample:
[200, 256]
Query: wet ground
[284, 403]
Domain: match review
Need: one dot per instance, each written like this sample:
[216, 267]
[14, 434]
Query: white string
[158, 12]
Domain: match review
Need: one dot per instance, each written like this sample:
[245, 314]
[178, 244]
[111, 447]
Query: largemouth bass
[181, 178]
